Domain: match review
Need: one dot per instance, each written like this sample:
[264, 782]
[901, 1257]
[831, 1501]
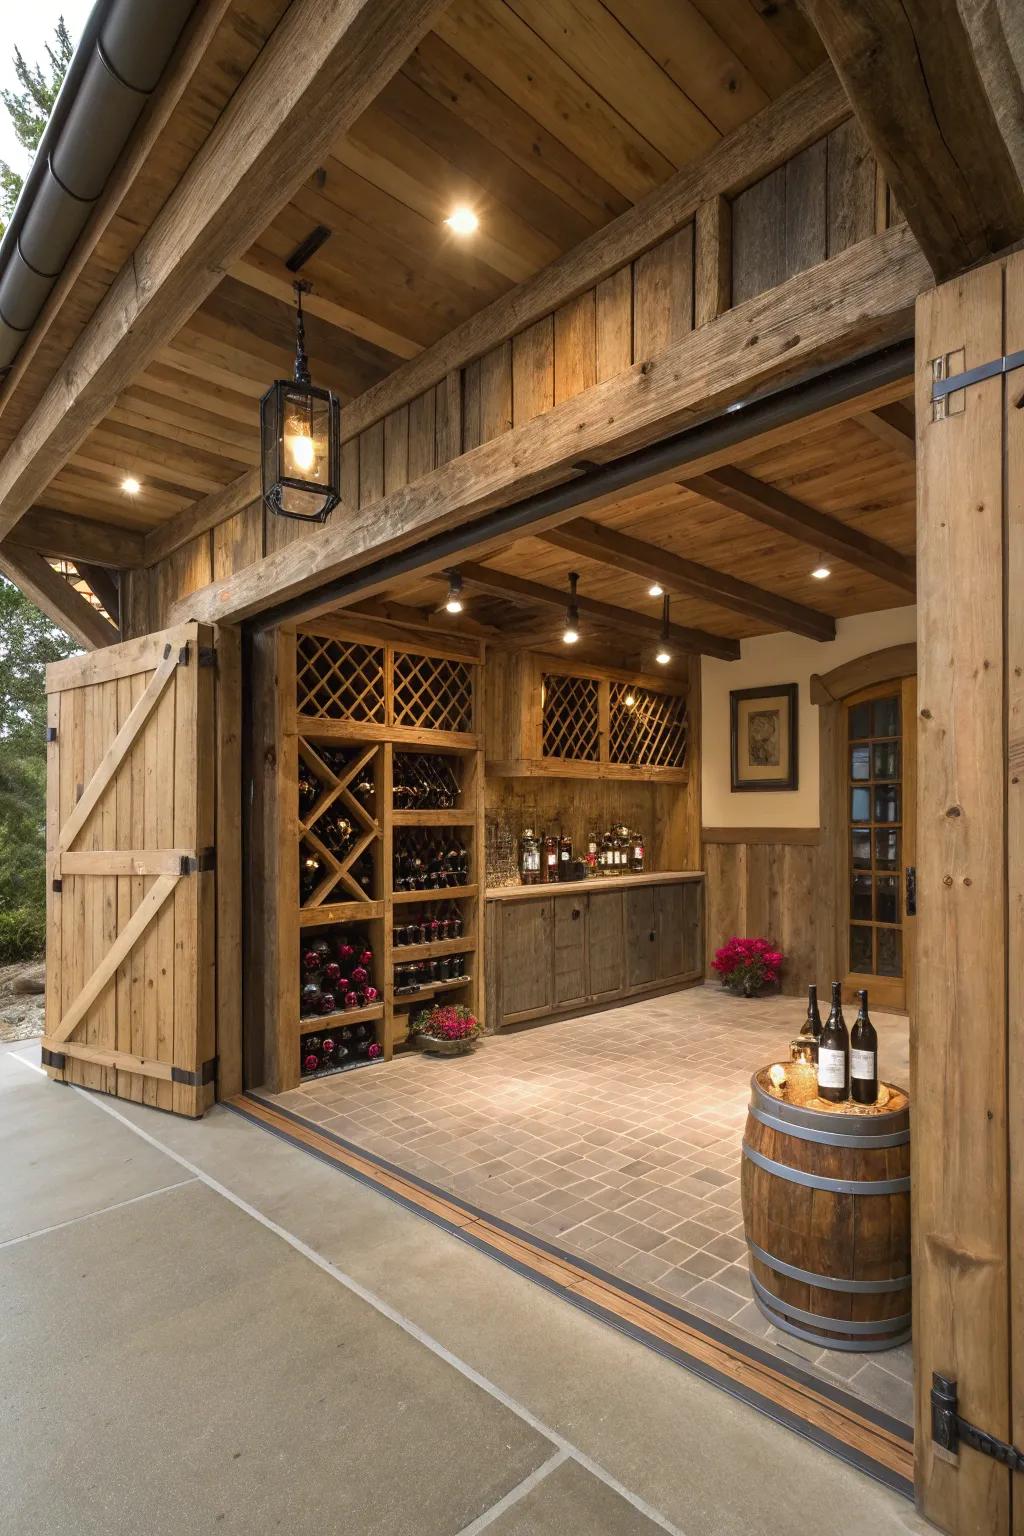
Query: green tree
[28, 640]
[30, 107]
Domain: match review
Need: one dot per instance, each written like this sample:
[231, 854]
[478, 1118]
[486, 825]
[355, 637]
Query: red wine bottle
[834, 1053]
[812, 1024]
[863, 1056]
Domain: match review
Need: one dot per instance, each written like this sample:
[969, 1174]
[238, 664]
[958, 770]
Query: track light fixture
[453, 602]
[571, 632]
[663, 655]
[655, 589]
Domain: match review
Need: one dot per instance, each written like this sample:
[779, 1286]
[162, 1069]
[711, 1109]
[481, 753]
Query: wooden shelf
[348, 1066]
[433, 819]
[315, 728]
[403, 952]
[429, 988]
[442, 893]
[340, 912]
[316, 1024]
[569, 768]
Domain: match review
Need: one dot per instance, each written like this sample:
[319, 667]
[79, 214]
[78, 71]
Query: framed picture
[764, 737]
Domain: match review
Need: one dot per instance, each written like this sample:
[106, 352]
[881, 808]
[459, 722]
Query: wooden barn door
[967, 1022]
[130, 957]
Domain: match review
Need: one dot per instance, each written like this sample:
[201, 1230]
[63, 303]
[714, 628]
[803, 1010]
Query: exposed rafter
[322, 66]
[676, 574]
[78, 538]
[740, 492]
[892, 425]
[623, 619]
[57, 598]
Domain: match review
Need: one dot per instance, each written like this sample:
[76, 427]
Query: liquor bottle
[564, 856]
[549, 867]
[834, 1053]
[863, 1056]
[592, 853]
[637, 854]
[812, 1025]
[529, 857]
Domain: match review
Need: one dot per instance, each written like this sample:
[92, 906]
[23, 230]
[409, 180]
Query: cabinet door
[525, 957]
[570, 946]
[678, 924]
[605, 943]
[641, 937]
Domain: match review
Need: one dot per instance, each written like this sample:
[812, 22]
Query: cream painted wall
[784, 658]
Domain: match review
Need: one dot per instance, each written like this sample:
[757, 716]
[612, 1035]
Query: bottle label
[831, 1068]
[864, 1064]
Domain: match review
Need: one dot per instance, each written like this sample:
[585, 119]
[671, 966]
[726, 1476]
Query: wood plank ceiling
[548, 119]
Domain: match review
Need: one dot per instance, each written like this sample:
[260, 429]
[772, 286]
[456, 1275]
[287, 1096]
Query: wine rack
[375, 763]
[646, 728]
[571, 721]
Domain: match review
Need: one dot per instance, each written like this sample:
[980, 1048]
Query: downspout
[123, 51]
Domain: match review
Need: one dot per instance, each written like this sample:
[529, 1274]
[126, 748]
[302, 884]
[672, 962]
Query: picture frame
[763, 738]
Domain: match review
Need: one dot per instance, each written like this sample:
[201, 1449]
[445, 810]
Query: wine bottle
[564, 856]
[834, 1053]
[863, 1056]
[812, 1024]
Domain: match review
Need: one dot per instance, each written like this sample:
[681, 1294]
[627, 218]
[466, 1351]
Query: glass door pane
[874, 762]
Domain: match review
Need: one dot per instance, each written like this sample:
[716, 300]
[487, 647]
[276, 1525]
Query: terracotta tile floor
[615, 1136]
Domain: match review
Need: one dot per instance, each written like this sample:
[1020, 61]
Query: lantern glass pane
[305, 439]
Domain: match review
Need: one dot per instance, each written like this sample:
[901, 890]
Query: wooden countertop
[595, 883]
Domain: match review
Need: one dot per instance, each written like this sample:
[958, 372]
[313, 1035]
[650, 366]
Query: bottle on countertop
[637, 854]
[529, 857]
[593, 850]
[549, 865]
[812, 1024]
[863, 1056]
[564, 856]
[834, 1053]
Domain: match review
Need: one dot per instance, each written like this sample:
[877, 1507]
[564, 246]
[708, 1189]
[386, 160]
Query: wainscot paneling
[762, 882]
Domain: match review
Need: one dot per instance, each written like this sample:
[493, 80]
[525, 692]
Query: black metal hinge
[54, 1059]
[943, 387]
[207, 656]
[950, 1431]
[51, 733]
[207, 1074]
[202, 864]
[58, 886]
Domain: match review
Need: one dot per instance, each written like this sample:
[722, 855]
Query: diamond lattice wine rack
[373, 820]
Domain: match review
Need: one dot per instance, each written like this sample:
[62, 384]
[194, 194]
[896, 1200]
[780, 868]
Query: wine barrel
[826, 1214]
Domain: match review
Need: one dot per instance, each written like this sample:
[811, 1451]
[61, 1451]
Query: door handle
[911, 900]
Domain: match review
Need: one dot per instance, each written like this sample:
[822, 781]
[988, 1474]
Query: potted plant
[748, 965]
[446, 1029]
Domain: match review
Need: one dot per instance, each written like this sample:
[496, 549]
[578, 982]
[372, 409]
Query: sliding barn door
[967, 1038]
[130, 819]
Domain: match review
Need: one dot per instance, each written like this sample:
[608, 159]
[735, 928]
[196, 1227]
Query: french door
[879, 771]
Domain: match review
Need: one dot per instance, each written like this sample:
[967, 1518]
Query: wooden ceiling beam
[57, 598]
[892, 425]
[320, 68]
[740, 492]
[517, 588]
[675, 574]
[935, 113]
[78, 538]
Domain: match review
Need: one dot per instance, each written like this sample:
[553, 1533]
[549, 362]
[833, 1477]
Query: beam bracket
[949, 1430]
[942, 387]
[207, 1073]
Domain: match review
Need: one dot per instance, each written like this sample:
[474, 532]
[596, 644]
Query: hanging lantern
[300, 439]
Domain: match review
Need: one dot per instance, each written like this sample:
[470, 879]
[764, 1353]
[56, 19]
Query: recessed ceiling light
[462, 221]
[820, 572]
[130, 485]
[655, 589]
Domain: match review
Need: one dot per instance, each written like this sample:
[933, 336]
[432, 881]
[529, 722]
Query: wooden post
[965, 1036]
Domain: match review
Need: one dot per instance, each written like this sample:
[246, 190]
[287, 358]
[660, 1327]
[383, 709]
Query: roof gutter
[123, 51]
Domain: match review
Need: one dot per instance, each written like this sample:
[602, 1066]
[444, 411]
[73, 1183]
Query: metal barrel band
[884, 1325]
[827, 1138]
[828, 1282]
[844, 1346]
[820, 1181]
[824, 1120]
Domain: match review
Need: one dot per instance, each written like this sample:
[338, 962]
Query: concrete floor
[206, 1330]
[616, 1136]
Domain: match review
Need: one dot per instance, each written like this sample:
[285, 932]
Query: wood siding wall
[816, 205]
[764, 887]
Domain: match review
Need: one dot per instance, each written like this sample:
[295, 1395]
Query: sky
[30, 28]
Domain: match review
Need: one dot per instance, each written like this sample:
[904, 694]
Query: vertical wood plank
[759, 237]
[851, 187]
[54, 937]
[575, 346]
[959, 1032]
[533, 371]
[350, 474]
[496, 392]
[421, 435]
[614, 324]
[448, 418]
[137, 972]
[228, 841]
[165, 716]
[396, 450]
[183, 902]
[471, 437]
[371, 464]
[712, 282]
[806, 185]
[238, 542]
[663, 294]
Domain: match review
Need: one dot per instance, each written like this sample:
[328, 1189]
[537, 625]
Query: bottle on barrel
[834, 1053]
[863, 1056]
[812, 1025]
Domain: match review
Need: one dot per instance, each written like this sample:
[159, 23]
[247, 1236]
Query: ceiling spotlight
[663, 655]
[462, 221]
[821, 571]
[453, 602]
[130, 485]
[571, 632]
[655, 589]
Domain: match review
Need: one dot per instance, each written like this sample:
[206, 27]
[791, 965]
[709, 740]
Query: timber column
[966, 1029]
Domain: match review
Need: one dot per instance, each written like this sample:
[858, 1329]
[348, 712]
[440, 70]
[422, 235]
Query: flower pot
[437, 1047]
